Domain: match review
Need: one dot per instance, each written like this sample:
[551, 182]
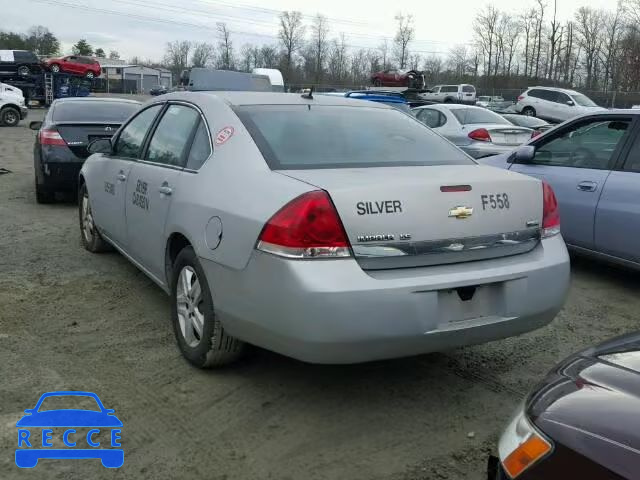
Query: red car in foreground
[75, 64]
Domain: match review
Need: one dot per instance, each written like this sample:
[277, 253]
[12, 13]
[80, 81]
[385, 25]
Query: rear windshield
[325, 136]
[471, 116]
[468, 89]
[92, 111]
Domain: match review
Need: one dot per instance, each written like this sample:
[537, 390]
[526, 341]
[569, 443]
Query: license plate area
[469, 302]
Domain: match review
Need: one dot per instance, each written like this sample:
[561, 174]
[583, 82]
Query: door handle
[587, 186]
[121, 176]
[165, 189]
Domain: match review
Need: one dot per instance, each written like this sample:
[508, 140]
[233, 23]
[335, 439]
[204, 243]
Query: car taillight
[306, 227]
[51, 136]
[535, 133]
[480, 134]
[550, 212]
[521, 97]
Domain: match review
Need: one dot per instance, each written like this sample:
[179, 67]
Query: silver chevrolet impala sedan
[327, 229]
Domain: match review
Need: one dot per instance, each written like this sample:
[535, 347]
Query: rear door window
[329, 136]
[131, 139]
[200, 148]
[169, 142]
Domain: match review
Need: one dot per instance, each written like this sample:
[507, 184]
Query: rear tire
[55, 68]
[198, 330]
[44, 195]
[9, 116]
[529, 112]
[377, 82]
[89, 234]
[90, 75]
[448, 100]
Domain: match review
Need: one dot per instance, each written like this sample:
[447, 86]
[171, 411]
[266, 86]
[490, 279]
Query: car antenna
[308, 96]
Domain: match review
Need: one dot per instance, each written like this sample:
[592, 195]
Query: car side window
[589, 144]
[131, 139]
[169, 142]
[200, 148]
[562, 98]
[548, 95]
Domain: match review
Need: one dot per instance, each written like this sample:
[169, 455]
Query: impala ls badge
[461, 212]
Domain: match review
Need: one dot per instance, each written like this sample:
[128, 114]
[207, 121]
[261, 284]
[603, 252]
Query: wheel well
[175, 244]
[9, 105]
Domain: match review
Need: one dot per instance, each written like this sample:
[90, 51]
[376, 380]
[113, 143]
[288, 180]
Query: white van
[275, 76]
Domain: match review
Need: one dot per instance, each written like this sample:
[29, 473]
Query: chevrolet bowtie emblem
[461, 212]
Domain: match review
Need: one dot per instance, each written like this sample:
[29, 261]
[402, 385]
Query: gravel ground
[71, 320]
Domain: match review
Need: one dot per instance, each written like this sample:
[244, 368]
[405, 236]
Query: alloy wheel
[189, 303]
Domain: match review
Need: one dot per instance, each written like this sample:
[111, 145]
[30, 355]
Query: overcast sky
[142, 27]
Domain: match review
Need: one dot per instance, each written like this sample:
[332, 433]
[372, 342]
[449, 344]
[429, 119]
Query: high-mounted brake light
[480, 134]
[306, 227]
[51, 136]
[550, 212]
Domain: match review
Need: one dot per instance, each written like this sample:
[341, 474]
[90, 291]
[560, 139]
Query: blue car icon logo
[96, 427]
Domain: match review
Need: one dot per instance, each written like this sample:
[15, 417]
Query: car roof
[556, 89]
[97, 99]
[273, 98]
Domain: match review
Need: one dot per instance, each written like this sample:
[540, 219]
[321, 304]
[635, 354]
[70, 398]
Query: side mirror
[570, 103]
[525, 154]
[35, 125]
[100, 145]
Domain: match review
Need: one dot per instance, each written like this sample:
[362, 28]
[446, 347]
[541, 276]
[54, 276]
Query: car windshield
[93, 111]
[322, 136]
[67, 402]
[472, 116]
[583, 100]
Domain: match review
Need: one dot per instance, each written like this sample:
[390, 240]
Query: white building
[146, 78]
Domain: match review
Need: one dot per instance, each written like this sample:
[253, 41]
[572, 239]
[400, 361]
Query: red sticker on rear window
[223, 135]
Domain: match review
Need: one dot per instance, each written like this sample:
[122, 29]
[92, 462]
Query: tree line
[596, 50]
[43, 42]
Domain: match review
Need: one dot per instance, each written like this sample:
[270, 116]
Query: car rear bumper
[331, 311]
[60, 176]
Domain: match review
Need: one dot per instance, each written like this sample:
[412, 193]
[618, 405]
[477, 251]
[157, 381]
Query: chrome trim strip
[388, 255]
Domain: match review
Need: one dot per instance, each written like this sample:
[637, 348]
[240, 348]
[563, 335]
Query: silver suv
[555, 104]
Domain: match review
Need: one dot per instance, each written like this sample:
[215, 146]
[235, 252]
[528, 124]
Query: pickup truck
[12, 105]
[451, 94]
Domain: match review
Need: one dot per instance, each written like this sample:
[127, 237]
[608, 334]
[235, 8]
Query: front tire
[198, 330]
[55, 68]
[529, 112]
[23, 71]
[377, 82]
[90, 75]
[9, 117]
[89, 234]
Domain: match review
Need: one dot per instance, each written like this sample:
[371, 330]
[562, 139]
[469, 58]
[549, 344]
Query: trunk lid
[508, 135]
[79, 135]
[406, 216]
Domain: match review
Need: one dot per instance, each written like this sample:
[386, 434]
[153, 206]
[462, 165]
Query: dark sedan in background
[582, 421]
[61, 144]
